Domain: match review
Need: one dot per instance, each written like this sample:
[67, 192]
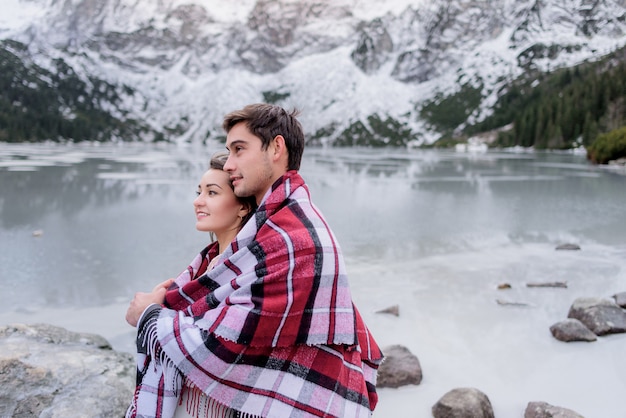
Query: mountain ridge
[344, 63]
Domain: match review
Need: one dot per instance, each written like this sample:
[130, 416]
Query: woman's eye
[212, 192]
[198, 193]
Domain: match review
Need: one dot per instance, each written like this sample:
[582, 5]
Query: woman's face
[217, 208]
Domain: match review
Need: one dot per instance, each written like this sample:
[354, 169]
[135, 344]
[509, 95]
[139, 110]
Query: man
[271, 331]
[264, 142]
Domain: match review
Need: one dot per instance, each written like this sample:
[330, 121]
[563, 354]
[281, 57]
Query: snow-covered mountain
[339, 61]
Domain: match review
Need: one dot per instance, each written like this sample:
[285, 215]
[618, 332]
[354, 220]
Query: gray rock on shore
[620, 299]
[545, 410]
[400, 368]
[47, 371]
[462, 403]
[601, 316]
[572, 329]
[568, 247]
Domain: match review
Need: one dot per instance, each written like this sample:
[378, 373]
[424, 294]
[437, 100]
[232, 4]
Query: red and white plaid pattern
[271, 331]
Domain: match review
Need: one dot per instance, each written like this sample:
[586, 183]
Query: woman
[221, 213]
[217, 209]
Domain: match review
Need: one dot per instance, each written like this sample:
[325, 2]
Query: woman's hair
[217, 162]
[266, 121]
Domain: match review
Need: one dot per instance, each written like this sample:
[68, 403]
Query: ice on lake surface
[434, 232]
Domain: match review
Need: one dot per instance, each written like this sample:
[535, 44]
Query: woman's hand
[142, 300]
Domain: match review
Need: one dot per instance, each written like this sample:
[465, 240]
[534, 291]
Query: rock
[508, 303]
[417, 65]
[503, 286]
[463, 403]
[620, 299]
[52, 372]
[373, 47]
[572, 330]
[571, 247]
[620, 161]
[393, 310]
[547, 284]
[399, 368]
[601, 316]
[545, 410]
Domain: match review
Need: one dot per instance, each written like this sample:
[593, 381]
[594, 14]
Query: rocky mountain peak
[343, 61]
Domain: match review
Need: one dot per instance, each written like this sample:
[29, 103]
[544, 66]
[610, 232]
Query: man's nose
[228, 165]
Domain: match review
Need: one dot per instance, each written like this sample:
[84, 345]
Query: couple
[262, 323]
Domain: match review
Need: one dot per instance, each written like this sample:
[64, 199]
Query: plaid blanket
[270, 331]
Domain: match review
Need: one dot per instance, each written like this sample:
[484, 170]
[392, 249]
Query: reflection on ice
[470, 178]
[27, 163]
[22, 168]
[118, 176]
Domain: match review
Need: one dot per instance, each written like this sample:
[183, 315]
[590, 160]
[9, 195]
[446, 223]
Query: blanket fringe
[149, 340]
[171, 374]
[199, 405]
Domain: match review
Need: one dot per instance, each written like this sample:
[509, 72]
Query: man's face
[250, 167]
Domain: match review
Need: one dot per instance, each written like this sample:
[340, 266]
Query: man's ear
[280, 148]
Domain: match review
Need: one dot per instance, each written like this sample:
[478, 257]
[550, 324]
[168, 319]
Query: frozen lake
[83, 227]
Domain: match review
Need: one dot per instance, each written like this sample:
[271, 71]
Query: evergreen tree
[581, 101]
[37, 104]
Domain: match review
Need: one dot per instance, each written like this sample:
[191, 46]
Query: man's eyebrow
[236, 142]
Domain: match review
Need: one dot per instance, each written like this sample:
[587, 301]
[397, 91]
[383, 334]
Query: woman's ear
[244, 211]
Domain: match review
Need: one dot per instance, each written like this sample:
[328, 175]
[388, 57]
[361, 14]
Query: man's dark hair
[266, 121]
